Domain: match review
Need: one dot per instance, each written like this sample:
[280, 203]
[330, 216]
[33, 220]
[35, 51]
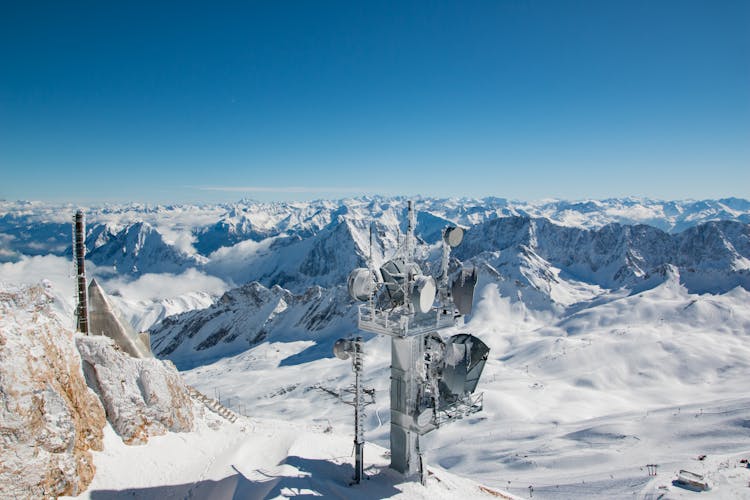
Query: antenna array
[432, 379]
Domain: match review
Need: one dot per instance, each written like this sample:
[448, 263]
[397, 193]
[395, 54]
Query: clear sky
[189, 101]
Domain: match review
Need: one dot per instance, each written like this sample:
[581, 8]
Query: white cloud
[153, 287]
[32, 270]
[181, 238]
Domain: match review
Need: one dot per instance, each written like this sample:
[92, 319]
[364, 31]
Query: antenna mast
[432, 378]
[79, 259]
[352, 348]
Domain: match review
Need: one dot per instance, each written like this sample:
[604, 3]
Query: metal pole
[79, 254]
[359, 426]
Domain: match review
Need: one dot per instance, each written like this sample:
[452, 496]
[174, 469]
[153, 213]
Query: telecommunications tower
[433, 378]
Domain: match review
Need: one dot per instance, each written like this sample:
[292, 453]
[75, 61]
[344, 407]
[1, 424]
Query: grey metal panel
[106, 319]
[462, 290]
[465, 356]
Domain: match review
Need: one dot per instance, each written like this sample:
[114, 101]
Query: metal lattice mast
[362, 396]
[359, 411]
[79, 258]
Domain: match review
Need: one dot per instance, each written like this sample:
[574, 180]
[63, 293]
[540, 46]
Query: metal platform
[396, 323]
[472, 403]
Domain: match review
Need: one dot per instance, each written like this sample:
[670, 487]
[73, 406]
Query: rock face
[248, 315]
[49, 419]
[139, 248]
[142, 397]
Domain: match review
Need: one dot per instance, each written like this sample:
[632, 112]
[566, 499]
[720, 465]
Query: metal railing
[468, 405]
[398, 323]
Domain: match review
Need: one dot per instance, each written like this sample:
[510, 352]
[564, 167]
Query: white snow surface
[576, 409]
[258, 458]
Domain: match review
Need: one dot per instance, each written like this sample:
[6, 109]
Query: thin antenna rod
[369, 263]
[410, 223]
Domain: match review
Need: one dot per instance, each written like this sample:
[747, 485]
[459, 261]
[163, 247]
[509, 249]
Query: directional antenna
[462, 365]
[453, 236]
[423, 293]
[361, 284]
[342, 348]
[396, 273]
[462, 290]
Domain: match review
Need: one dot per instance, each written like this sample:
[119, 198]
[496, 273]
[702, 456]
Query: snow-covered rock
[247, 315]
[140, 248]
[49, 419]
[142, 397]
[712, 257]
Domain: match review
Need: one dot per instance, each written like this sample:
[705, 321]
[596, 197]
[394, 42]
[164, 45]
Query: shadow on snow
[314, 478]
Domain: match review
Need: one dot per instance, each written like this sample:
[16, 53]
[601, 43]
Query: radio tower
[79, 256]
[433, 378]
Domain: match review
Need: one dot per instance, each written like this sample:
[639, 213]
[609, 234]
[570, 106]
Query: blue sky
[191, 101]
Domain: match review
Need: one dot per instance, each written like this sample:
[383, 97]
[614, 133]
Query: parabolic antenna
[453, 236]
[423, 293]
[462, 290]
[464, 359]
[342, 348]
[361, 284]
[395, 272]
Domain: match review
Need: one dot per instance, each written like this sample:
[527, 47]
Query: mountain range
[618, 329]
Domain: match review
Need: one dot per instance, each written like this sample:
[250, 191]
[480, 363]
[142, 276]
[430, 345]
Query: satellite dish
[462, 290]
[395, 272]
[361, 284]
[463, 362]
[453, 236]
[342, 348]
[423, 293]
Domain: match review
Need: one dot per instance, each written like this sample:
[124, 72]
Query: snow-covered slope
[248, 315]
[259, 458]
[575, 406]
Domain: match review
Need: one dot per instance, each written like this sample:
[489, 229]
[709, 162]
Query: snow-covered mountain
[618, 328]
[712, 257]
[35, 228]
[248, 315]
[543, 267]
[138, 249]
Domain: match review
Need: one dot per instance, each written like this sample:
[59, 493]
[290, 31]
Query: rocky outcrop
[140, 248]
[142, 397]
[49, 419]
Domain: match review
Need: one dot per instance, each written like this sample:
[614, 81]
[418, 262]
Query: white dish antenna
[361, 284]
[423, 293]
[343, 348]
[453, 236]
